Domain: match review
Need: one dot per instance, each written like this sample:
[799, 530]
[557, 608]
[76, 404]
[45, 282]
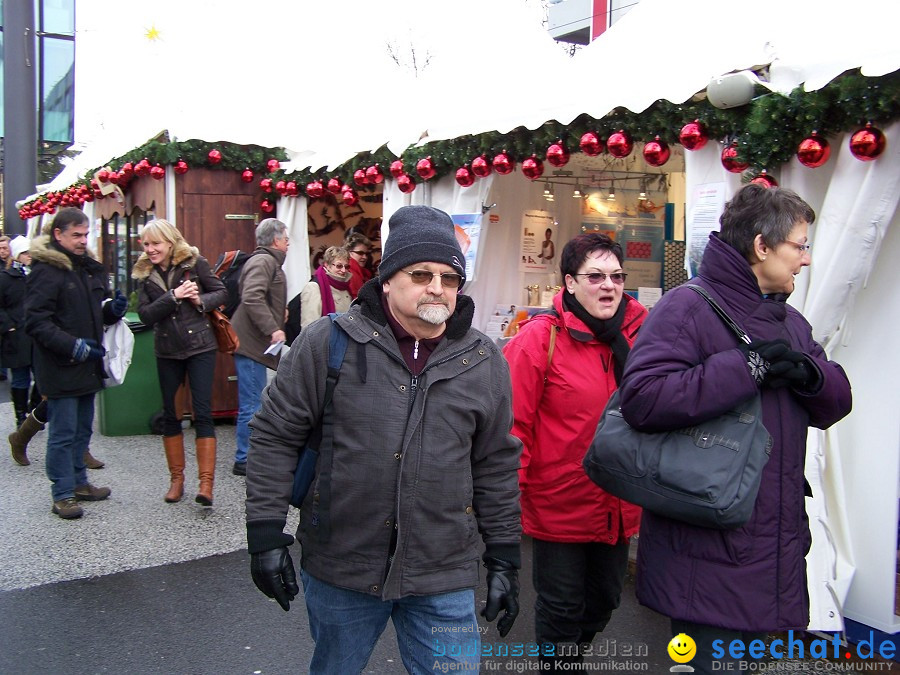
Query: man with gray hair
[259, 324]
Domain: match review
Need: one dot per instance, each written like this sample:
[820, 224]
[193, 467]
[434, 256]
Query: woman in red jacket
[580, 532]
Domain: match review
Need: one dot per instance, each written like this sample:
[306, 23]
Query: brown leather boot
[92, 462]
[18, 440]
[174, 446]
[206, 467]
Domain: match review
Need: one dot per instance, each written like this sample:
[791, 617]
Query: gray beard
[433, 314]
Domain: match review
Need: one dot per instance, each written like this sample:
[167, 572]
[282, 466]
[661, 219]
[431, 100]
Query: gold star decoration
[152, 34]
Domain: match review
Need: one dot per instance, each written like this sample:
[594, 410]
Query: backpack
[228, 268]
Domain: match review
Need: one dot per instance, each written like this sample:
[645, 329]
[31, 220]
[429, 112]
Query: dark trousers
[577, 587]
[199, 370]
[703, 636]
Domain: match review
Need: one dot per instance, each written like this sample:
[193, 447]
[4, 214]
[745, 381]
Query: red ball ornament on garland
[273, 165]
[503, 163]
[215, 157]
[334, 186]
[247, 175]
[656, 152]
[464, 177]
[126, 172]
[693, 135]
[266, 206]
[281, 187]
[481, 167]
[158, 172]
[103, 175]
[265, 185]
[142, 168]
[813, 151]
[397, 168]
[765, 180]
[533, 168]
[730, 160]
[374, 175]
[425, 168]
[350, 197]
[591, 144]
[359, 177]
[291, 189]
[113, 177]
[181, 168]
[315, 189]
[867, 143]
[405, 183]
[619, 144]
[557, 154]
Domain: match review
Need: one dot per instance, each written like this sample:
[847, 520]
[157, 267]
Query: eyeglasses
[360, 252]
[340, 266]
[424, 277]
[803, 248]
[596, 278]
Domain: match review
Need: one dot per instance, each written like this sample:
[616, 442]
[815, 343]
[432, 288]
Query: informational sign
[706, 208]
[642, 242]
[468, 234]
[538, 248]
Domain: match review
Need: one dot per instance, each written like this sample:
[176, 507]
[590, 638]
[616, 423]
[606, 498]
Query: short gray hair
[269, 230]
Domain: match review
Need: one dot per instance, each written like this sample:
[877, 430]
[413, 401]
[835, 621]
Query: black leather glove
[761, 354]
[502, 593]
[273, 573]
[794, 370]
[119, 304]
[86, 349]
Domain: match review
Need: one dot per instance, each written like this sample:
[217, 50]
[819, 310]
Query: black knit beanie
[420, 234]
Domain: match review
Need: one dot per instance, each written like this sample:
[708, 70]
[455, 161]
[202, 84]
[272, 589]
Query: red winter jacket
[556, 420]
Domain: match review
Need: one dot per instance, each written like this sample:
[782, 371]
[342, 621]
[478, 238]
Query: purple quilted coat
[685, 367]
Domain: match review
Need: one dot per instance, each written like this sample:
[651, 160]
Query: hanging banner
[537, 248]
[468, 234]
[703, 218]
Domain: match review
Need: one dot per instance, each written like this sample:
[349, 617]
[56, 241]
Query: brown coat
[263, 300]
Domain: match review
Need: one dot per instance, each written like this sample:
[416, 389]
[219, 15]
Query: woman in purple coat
[686, 367]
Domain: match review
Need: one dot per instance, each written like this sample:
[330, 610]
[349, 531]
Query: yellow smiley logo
[682, 648]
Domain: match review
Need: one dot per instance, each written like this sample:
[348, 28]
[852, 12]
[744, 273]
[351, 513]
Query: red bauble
[405, 183]
[591, 144]
[730, 160]
[359, 177]
[397, 168]
[867, 143]
[765, 180]
[103, 175]
[266, 206]
[247, 175]
[503, 163]
[481, 167]
[291, 189]
[557, 154]
[273, 165]
[533, 168]
[350, 197]
[215, 157]
[425, 168]
[158, 172]
[334, 186]
[265, 185]
[464, 177]
[656, 152]
[126, 172]
[281, 187]
[181, 167]
[693, 135]
[142, 168]
[113, 178]
[374, 175]
[315, 189]
[813, 151]
[619, 144]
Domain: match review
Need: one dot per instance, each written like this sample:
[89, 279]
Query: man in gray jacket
[419, 462]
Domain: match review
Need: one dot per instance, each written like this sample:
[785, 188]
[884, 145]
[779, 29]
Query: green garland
[767, 131]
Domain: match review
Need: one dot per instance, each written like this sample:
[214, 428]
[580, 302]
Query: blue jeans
[21, 378]
[345, 625]
[251, 377]
[69, 434]
[199, 370]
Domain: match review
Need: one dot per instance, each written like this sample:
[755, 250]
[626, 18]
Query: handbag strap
[731, 323]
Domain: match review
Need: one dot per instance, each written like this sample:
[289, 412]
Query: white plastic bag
[118, 341]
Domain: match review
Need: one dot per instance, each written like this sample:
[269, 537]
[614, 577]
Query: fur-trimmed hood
[184, 255]
[44, 252]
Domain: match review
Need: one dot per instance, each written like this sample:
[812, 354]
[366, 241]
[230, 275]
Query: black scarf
[608, 332]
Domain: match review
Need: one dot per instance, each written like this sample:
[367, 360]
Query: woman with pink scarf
[328, 291]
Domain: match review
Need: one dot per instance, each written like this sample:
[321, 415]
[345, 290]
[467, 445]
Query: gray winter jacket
[418, 467]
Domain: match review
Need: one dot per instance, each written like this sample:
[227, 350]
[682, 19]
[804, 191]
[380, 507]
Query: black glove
[118, 305]
[793, 370]
[87, 350]
[273, 573]
[503, 593]
[761, 354]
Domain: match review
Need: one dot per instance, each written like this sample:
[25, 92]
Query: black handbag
[706, 475]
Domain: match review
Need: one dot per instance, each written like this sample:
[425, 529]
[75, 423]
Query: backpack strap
[554, 329]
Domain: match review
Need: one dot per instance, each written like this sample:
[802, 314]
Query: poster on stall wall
[537, 250]
[703, 218]
[468, 234]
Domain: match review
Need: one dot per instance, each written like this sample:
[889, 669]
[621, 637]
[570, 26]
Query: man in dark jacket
[420, 461]
[65, 309]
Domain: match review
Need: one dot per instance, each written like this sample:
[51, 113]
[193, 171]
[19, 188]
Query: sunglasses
[424, 277]
[340, 266]
[360, 252]
[596, 278]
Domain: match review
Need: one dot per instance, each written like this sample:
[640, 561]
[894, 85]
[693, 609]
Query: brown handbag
[225, 335]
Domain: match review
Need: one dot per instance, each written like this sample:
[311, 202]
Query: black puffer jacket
[15, 345]
[181, 329]
[65, 301]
